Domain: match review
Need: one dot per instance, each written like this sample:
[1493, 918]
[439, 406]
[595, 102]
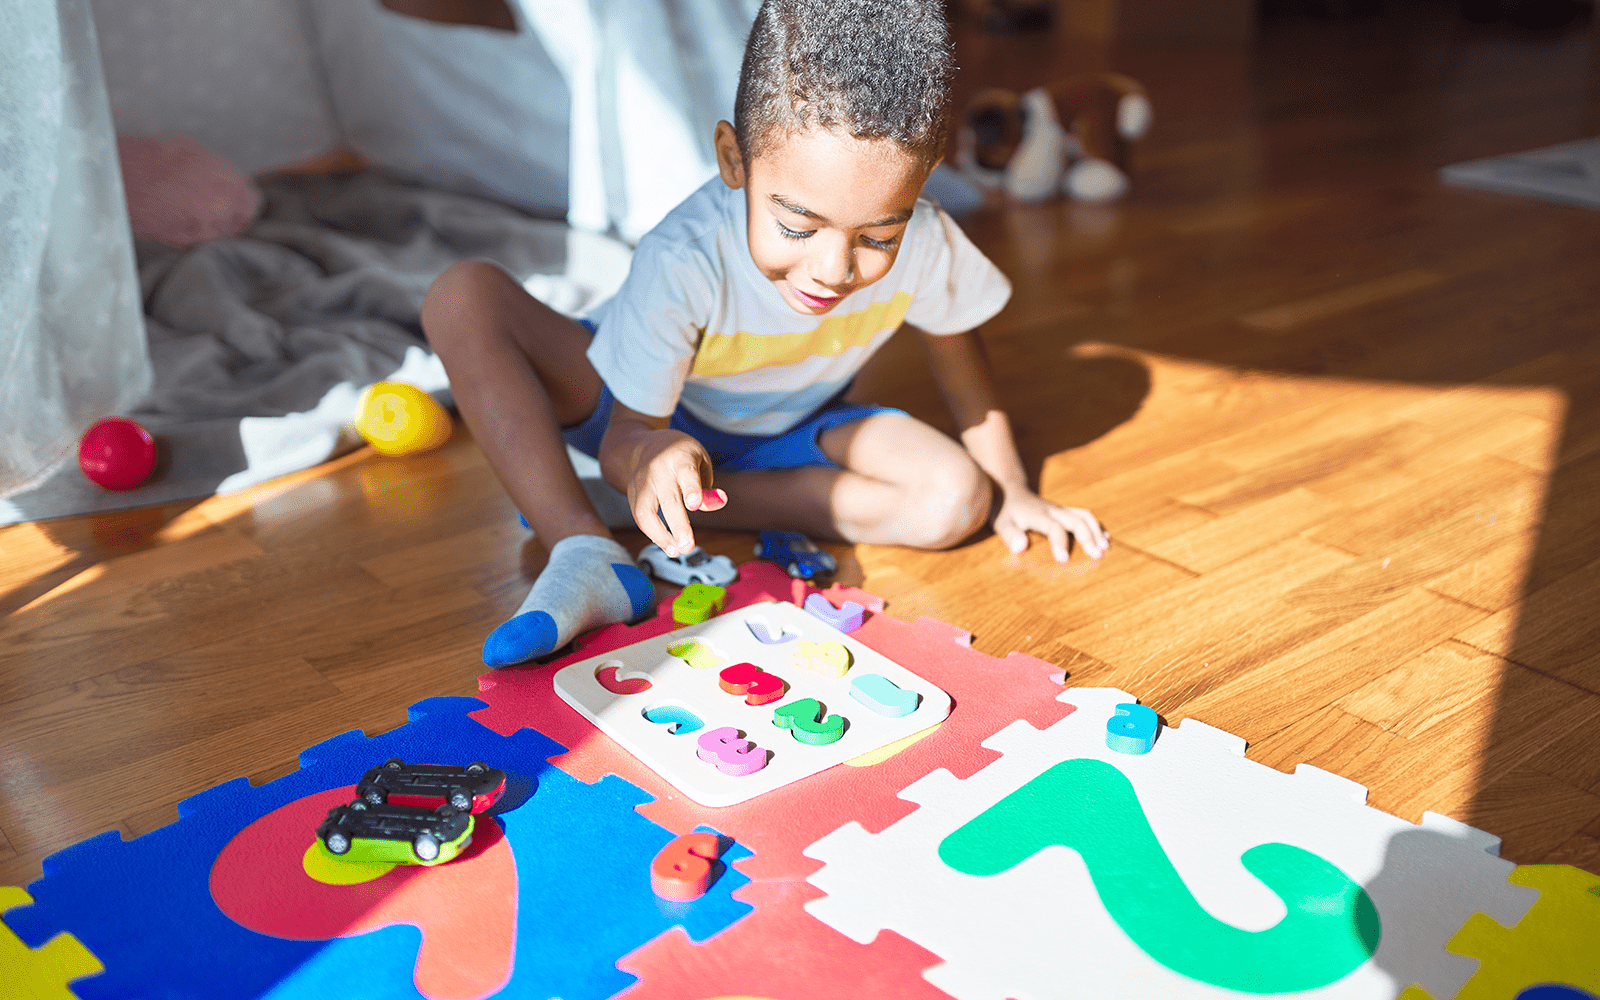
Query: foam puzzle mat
[1009, 852]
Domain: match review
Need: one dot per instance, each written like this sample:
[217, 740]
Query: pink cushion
[181, 193]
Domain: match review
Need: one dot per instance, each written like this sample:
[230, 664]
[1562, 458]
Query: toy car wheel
[337, 843]
[359, 805]
[759, 549]
[377, 796]
[394, 763]
[477, 767]
[425, 847]
[461, 800]
[794, 570]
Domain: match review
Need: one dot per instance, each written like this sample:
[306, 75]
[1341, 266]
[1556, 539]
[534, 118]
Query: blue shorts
[794, 448]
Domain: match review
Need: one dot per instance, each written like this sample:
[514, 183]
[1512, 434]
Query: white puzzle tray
[667, 701]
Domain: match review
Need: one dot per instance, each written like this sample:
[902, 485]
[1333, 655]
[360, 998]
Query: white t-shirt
[696, 322]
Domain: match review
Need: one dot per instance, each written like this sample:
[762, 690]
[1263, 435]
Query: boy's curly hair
[877, 69]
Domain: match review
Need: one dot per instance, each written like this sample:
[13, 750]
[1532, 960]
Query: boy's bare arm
[665, 474]
[961, 370]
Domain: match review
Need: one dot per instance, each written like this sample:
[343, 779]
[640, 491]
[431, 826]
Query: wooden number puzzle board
[686, 688]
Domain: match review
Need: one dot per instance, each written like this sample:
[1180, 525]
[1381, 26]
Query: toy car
[470, 789]
[693, 566]
[402, 835]
[796, 553]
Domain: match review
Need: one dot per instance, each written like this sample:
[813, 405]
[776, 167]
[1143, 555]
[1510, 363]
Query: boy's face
[826, 211]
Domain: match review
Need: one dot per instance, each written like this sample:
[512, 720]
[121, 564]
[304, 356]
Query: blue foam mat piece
[582, 853]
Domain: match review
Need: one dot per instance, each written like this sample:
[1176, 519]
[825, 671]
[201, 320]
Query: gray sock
[589, 582]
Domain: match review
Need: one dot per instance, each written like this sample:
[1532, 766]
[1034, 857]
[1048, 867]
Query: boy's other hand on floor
[1023, 511]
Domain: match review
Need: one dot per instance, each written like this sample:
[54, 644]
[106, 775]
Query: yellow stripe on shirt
[733, 353]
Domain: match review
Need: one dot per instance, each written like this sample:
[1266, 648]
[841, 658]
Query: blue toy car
[795, 553]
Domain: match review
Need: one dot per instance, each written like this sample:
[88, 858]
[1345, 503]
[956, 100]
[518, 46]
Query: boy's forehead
[837, 177]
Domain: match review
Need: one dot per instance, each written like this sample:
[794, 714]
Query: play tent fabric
[71, 339]
[267, 83]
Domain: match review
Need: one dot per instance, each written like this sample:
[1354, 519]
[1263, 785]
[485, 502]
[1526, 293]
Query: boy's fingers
[1056, 533]
[1016, 539]
[1087, 530]
[646, 514]
[676, 515]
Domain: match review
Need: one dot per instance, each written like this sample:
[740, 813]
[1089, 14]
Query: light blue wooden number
[1132, 729]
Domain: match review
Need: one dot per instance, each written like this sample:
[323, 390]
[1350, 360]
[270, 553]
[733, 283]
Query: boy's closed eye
[804, 234]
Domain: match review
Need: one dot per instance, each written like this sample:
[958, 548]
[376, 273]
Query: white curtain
[72, 346]
[648, 83]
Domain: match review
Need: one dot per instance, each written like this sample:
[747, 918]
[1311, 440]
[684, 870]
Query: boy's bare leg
[901, 482]
[519, 374]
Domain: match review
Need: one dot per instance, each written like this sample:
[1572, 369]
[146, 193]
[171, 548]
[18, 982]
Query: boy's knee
[955, 501]
[463, 287]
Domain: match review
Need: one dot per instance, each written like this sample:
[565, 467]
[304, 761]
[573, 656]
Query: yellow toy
[400, 419]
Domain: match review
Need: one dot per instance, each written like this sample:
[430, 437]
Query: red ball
[117, 453]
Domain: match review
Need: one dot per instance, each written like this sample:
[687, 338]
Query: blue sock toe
[641, 592]
[521, 639]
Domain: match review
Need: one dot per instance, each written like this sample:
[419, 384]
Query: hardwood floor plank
[1568, 645]
[1232, 619]
[1580, 850]
[1430, 689]
[1564, 810]
[1362, 295]
[1276, 694]
[1245, 531]
[1489, 493]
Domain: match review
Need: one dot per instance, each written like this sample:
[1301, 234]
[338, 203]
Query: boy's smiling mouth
[815, 301]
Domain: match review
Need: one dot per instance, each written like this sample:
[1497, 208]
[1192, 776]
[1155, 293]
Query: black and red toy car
[471, 789]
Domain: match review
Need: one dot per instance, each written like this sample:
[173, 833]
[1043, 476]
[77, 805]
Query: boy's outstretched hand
[1023, 511]
[671, 475]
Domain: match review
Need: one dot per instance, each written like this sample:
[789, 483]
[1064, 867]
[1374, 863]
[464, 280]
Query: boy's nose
[834, 266]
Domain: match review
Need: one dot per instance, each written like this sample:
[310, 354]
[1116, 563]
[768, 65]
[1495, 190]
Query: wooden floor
[1343, 422]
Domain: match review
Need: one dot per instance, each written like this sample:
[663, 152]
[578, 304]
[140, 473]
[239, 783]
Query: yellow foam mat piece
[42, 973]
[1558, 941]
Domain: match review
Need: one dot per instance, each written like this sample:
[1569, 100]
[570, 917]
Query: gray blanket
[262, 343]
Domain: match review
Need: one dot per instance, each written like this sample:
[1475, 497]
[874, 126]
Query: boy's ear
[730, 162]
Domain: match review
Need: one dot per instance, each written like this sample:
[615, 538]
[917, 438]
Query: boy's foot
[589, 582]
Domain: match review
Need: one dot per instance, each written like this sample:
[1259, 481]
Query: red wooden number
[682, 871]
[757, 686]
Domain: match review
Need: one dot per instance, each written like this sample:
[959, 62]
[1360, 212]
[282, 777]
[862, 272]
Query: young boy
[743, 319]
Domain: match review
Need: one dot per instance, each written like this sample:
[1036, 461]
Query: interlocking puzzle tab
[1556, 945]
[1185, 872]
[39, 973]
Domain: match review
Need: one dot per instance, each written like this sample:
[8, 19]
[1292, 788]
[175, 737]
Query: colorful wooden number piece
[696, 654]
[698, 602]
[676, 718]
[845, 619]
[763, 632]
[609, 676]
[730, 752]
[685, 868]
[830, 658]
[883, 696]
[1133, 729]
[805, 722]
[757, 686]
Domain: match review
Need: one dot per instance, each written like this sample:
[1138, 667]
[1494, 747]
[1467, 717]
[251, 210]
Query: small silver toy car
[693, 566]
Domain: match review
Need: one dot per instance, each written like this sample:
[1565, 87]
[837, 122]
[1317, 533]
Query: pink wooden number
[732, 753]
[757, 686]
